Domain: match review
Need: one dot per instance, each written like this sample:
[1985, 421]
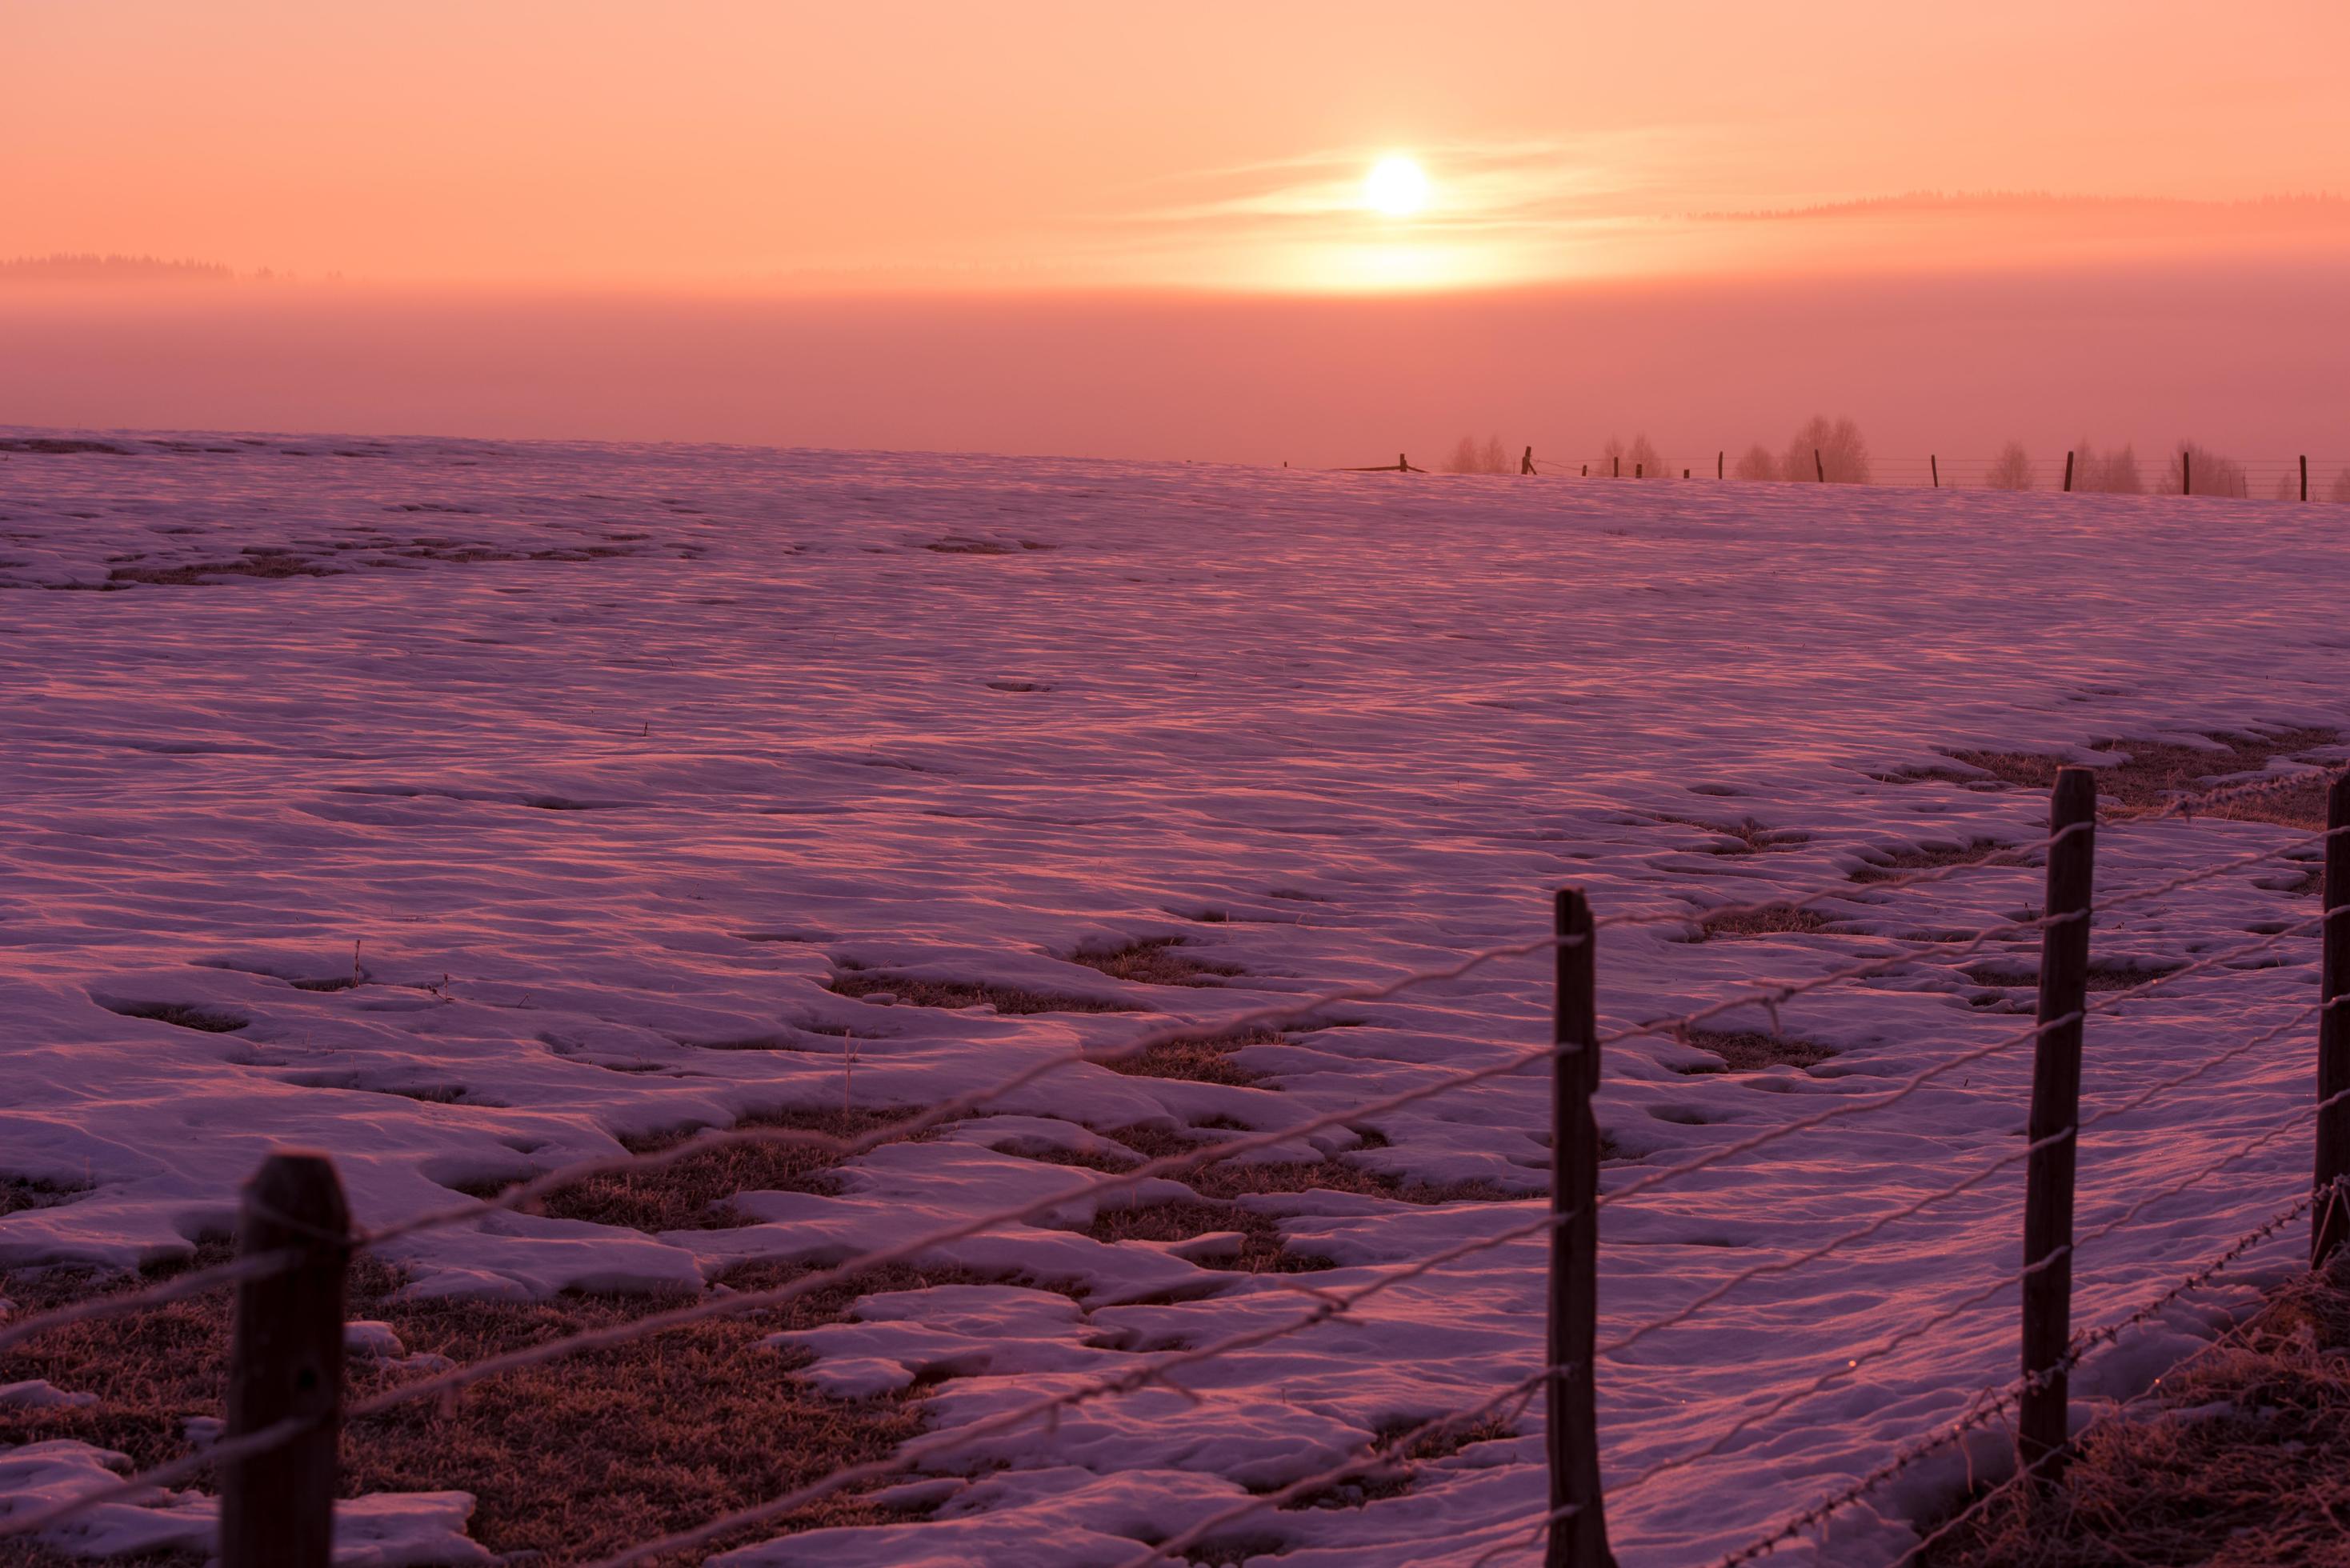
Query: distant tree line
[90, 267]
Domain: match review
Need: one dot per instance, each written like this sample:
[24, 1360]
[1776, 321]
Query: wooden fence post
[285, 1363]
[2330, 1221]
[2186, 472]
[1935, 465]
[1578, 1526]
[1526, 463]
[1615, 468]
[2304, 496]
[1718, 459]
[1819, 468]
[2041, 1430]
[1640, 471]
[2069, 474]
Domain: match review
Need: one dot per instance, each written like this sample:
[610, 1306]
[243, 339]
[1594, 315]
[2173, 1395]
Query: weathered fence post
[1819, 468]
[2041, 1430]
[277, 1507]
[1719, 459]
[2186, 472]
[2305, 489]
[1640, 471]
[1578, 1526]
[2069, 474]
[1935, 465]
[2330, 1220]
[1615, 468]
[1526, 463]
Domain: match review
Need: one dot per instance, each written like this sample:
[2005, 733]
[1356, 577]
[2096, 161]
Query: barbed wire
[1128, 1380]
[2072, 1443]
[1990, 1403]
[1167, 1165]
[243, 1268]
[1948, 1314]
[1982, 1174]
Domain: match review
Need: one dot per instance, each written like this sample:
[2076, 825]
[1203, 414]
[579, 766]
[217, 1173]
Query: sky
[604, 166]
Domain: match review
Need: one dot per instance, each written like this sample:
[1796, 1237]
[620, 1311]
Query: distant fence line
[2298, 478]
[279, 1455]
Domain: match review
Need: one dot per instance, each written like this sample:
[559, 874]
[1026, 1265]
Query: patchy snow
[382, 1530]
[463, 808]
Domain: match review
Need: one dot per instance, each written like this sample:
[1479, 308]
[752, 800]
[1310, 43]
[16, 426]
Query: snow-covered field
[607, 758]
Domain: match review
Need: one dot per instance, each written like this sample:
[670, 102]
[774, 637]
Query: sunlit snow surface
[607, 756]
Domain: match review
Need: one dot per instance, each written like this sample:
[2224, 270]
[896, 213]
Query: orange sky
[891, 145]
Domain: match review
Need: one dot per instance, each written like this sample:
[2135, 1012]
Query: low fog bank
[2246, 358]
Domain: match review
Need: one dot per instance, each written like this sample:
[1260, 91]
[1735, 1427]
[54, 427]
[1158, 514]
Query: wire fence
[285, 1409]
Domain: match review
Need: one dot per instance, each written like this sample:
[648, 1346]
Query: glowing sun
[1397, 186]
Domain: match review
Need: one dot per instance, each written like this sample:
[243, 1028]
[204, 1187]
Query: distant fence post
[1640, 471]
[2186, 472]
[1934, 464]
[1615, 468]
[2330, 1222]
[1819, 468]
[285, 1363]
[1578, 1524]
[1718, 460]
[2069, 474]
[2055, 1115]
[1526, 463]
[2304, 496]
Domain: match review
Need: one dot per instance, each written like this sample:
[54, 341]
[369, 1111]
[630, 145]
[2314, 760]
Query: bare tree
[2204, 471]
[2112, 473]
[1470, 456]
[2341, 489]
[2013, 470]
[1829, 450]
[1757, 463]
[1645, 461]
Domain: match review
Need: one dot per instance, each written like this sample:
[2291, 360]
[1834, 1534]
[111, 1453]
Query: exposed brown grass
[1884, 864]
[573, 1460]
[1746, 836]
[1006, 999]
[1752, 1050]
[2103, 975]
[693, 1193]
[1201, 1058]
[1152, 961]
[1776, 921]
[1224, 1181]
[264, 563]
[18, 1193]
[2151, 773]
[1260, 1251]
[2241, 1461]
[1392, 1477]
[183, 1015]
